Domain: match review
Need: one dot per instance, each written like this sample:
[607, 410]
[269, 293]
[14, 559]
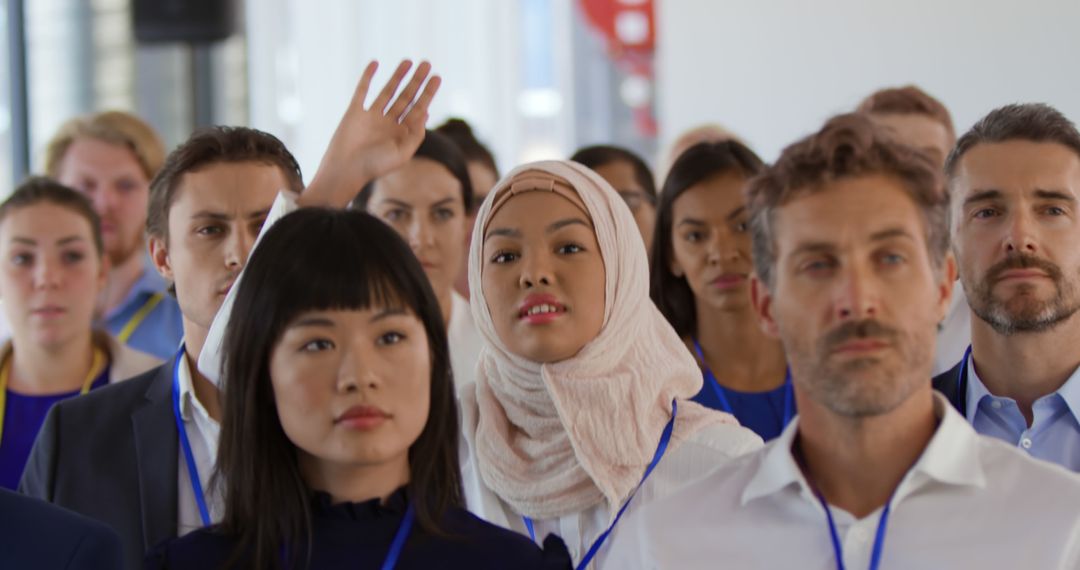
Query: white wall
[774, 70]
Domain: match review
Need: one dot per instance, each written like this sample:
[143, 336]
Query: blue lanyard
[185, 445]
[710, 379]
[399, 539]
[879, 538]
[665, 438]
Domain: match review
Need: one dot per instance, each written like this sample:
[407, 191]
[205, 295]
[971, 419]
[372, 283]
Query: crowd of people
[865, 354]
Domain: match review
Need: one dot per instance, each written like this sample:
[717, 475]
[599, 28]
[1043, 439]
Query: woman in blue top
[51, 272]
[339, 447]
[701, 282]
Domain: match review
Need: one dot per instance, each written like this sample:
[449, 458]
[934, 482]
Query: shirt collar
[189, 404]
[977, 391]
[950, 457]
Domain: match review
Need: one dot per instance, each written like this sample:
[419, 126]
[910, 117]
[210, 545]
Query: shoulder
[36, 532]
[203, 548]
[1009, 468]
[717, 444]
[946, 381]
[122, 394]
[127, 362]
[480, 544]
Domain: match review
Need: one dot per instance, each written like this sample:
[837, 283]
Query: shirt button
[995, 404]
[1025, 443]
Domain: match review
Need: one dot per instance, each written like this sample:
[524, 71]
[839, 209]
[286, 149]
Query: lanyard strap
[185, 445]
[5, 373]
[879, 537]
[721, 394]
[661, 448]
[139, 317]
[399, 539]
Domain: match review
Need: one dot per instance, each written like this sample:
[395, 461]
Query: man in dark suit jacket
[35, 534]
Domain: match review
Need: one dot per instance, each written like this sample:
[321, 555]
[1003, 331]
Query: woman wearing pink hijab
[581, 408]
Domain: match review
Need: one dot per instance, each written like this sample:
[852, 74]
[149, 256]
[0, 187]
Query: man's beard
[1022, 313]
[123, 250]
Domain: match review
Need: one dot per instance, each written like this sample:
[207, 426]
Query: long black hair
[311, 260]
[700, 162]
[598, 155]
[441, 149]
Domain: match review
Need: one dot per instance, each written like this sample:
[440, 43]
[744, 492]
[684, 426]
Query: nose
[101, 197]
[354, 374]
[1019, 237]
[420, 234]
[238, 246]
[47, 274]
[858, 294]
[536, 271]
[721, 248]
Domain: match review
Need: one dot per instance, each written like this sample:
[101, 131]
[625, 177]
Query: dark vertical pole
[202, 85]
[20, 109]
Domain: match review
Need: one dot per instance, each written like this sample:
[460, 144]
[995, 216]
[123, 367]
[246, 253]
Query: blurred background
[536, 78]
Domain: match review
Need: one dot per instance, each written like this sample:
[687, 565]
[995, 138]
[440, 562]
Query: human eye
[570, 249]
[73, 256]
[390, 338]
[318, 345]
[504, 257]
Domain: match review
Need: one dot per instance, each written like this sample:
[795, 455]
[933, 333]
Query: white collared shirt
[464, 340]
[694, 458]
[202, 432]
[968, 502]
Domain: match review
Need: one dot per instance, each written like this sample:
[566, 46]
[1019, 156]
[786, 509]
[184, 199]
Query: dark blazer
[948, 383]
[112, 455]
[35, 534]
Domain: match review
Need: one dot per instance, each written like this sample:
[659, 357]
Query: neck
[446, 304]
[355, 483]
[205, 391]
[1025, 366]
[857, 463]
[38, 370]
[122, 278]
[739, 354]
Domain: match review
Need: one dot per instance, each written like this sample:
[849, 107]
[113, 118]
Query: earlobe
[762, 301]
[946, 283]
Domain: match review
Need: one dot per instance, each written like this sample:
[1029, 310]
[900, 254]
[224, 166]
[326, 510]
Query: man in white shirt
[878, 470]
[145, 467]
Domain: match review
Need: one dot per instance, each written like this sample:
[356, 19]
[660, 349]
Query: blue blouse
[762, 412]
[23, 416]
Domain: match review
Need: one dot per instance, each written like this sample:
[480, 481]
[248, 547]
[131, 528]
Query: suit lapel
[156, 452]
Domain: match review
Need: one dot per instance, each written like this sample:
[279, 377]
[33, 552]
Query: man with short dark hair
[1015, 186]
[145, 468]
[851, 252]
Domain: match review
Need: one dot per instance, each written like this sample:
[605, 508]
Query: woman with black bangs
[701, 269]
[339, 443]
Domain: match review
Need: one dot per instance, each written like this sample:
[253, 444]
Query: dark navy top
[762, 412]
[358, 535]
[23, 416]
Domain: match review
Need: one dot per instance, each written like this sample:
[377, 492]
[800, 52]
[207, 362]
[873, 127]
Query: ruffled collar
[374, 509]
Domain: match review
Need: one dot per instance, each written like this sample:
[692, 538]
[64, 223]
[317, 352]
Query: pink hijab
[555, 439]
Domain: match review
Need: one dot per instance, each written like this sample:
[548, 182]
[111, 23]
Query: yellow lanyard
[139, 317]
[5, 371]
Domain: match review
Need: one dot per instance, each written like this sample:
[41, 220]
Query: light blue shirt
[1054, 434]
[160, 332]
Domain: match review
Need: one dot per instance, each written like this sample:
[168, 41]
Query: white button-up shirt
[202, 432]
[968, 502]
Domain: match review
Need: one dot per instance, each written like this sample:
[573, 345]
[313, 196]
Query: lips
[48, 311]
[729, 280]
[541, 309]
[861, 346]
[362, 417]
[1021, 274]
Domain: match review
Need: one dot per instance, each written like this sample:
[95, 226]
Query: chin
[545, 352]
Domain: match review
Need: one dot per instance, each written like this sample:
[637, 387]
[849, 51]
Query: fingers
[391, 87]
[405, 99]
[418, 113]
[357, 103]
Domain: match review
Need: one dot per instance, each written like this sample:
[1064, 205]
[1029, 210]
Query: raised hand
[373, 141]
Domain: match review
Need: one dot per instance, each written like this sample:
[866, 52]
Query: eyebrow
[983, 196]
[443, 202]
[398, 203]
[556, 226]
[61, 241]
[222, 217]
[729, 217]
[1055, 195]
[825, 247]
